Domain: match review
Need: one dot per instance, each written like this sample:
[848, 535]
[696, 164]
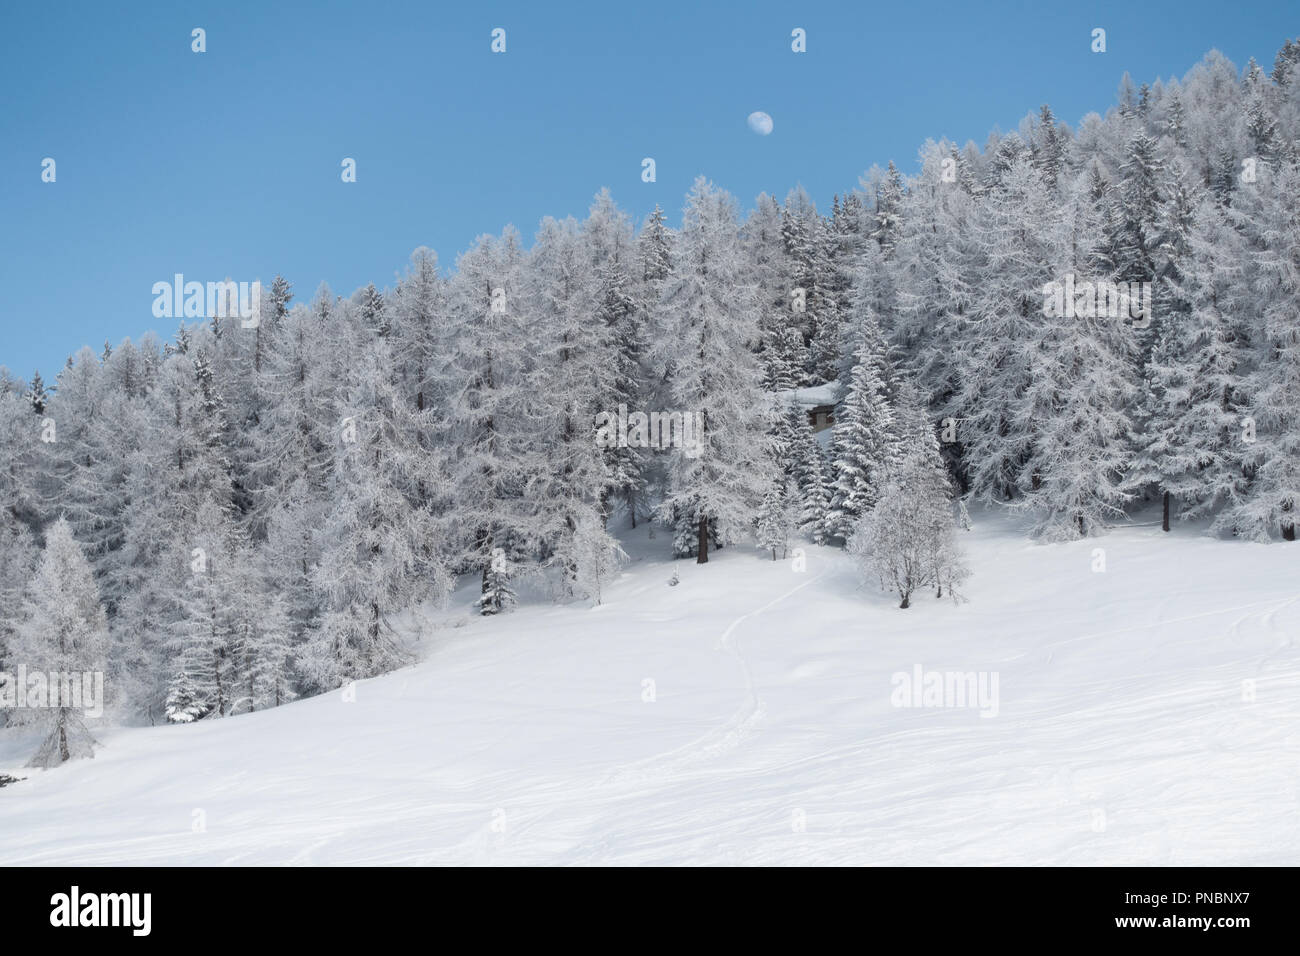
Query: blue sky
[227, 163]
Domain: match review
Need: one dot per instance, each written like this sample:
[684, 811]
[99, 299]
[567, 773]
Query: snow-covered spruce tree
[654, 256]
[864, 440]
[204, 669]
[717, 480]
[785, 356]
[770, 271]
[36, 395]
[64, 631]
[847, 240]
[610, 251]
[275, 308]
[497, 594]
[811, 247]
[824, 297]
[776, 519]
[1135, 221]
[622, 316]
[806, 467]
[1049, 146]
[654, 248]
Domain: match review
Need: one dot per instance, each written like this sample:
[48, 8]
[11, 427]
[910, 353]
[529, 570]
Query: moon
[760, 123]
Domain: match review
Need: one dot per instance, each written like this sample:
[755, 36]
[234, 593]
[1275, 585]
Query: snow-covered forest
[233, 518]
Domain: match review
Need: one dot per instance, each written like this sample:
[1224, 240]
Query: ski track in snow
[723, 738]
[1124, 734]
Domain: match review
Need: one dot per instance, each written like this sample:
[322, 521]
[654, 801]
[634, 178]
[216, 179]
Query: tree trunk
[906, 601]
[1288, 532]
[702, 548]
[1164, 521]
[221, 690]
[64, 754]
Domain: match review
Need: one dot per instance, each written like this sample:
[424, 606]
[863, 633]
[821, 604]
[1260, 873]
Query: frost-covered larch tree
[63, 632]
[716, 482]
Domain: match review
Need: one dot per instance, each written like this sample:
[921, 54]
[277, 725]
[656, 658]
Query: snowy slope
[1122, 734]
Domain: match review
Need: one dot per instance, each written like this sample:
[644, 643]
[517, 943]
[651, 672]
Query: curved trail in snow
[723, 738]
